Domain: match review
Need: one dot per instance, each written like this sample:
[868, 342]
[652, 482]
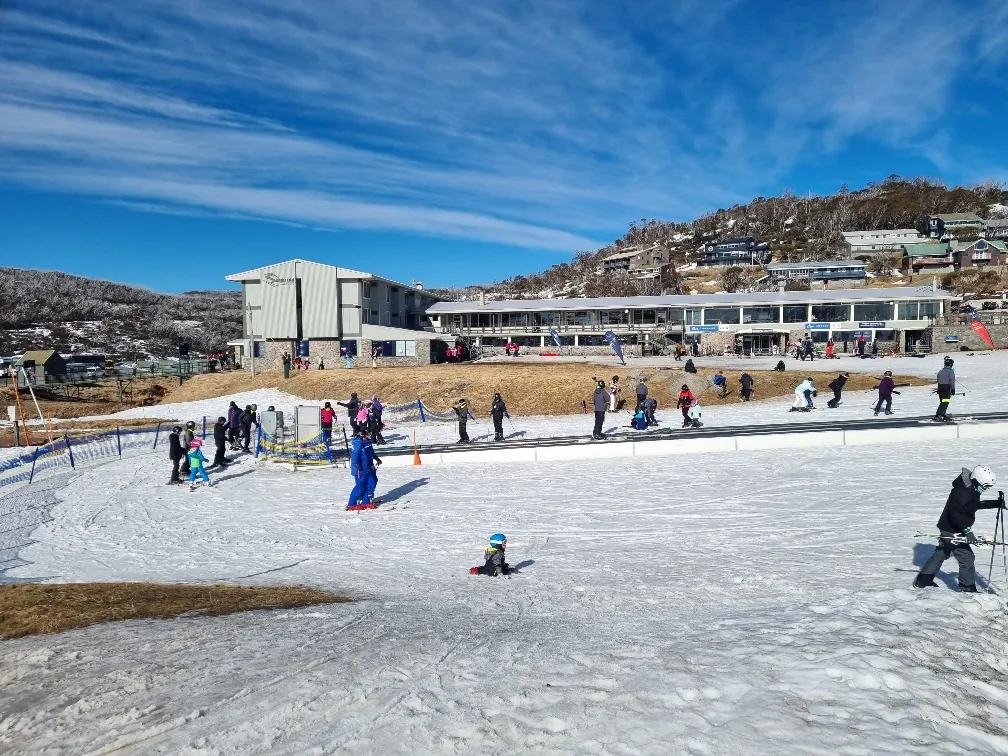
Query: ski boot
[352, 507]
[924, 581]
[968, 588]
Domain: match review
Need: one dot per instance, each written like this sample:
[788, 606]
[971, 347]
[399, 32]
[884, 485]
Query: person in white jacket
[803, 394]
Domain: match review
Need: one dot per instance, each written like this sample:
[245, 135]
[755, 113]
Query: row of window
[826, 313]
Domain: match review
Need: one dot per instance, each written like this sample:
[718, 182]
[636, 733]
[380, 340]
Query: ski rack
[706, 432]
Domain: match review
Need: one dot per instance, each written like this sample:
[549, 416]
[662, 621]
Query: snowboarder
[220, 442]
[494, 564]
[462, 412]
[684, 402]
[886, 389]
[197, 464]
[650, 407]
[186, 441]
[689, 367]
[836, 386]
[745, 387]
[498, 411]
[327, 416]
[721, 383]
[956, 527]
[352, 407]
[175, 454]
[600, 401]
[641, 392]
[613, 393]
[804, 392]
[946, 388]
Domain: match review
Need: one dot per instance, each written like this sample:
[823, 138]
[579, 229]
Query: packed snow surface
[745, 603]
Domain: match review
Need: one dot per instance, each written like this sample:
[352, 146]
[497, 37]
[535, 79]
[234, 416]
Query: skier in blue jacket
[358, 470]
[371, 463]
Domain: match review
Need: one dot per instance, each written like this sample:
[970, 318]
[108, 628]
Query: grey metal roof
[961, 217]
[816, 265]
[828, 296]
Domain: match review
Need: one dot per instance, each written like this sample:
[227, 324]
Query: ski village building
[324, 311]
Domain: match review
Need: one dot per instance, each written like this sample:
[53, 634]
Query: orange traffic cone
[416, 452]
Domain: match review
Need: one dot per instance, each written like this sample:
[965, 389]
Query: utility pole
[251, 337]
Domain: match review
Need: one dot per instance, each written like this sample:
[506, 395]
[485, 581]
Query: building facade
[325, 312]
[757, 322]
[979, 253]
[867, 243]
[951, 225]
[929, 258]
[739, 251]
[846, 272]
[640, 262]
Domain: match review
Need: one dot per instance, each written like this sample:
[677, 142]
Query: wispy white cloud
[547, 125]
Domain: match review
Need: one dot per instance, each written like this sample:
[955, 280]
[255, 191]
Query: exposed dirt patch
[33, 609]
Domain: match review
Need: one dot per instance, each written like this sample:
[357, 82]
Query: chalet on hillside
[949, 225]
[742, 250]
[979, 253]
[868, 243]
[928, 257]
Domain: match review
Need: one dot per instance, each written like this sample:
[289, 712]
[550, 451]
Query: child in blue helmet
[494, 564]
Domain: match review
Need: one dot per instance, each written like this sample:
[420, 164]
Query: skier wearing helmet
[461, 410]
[600, 401]
[175, 454]
[494, 564]
[186, 440]
[886, 388]
[946, 388]
[684, 402]
[498, 411]
[197, 464]
[956, 526]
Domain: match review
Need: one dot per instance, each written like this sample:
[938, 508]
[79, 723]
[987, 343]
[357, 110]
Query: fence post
[423, 417]
[119, 441]
[258, 440]
[31, 475]
[204, 427]
[156, 434]
[346, 444]
[67, 439]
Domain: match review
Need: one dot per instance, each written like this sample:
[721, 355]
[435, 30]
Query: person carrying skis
[745, 387]
[234, 423]
[886, 388]
[956, 527]
[641, 392]
[498, 411]
[197, 464]
[462, 412]
[721, 383]
[352, 406]
[613, 393]
[186, 441]
[220, 442]
[327, 416]
[600, 401]
[804, 392]
[684, 402]
[946, 388]
[494, 564]
[836, 386]
[175, 454]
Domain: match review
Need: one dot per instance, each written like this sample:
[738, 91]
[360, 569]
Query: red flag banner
[981, 331]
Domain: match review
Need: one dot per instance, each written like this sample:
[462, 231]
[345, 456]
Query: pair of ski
[961, 540]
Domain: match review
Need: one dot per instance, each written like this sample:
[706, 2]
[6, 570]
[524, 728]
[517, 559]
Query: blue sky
[169, 142]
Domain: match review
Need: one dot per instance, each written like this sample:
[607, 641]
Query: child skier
[684, 402]
[186, 440]
[613, 393]
[639, 420]
[836, 386]
[946, 388]
[175, 453]
[494, 563]
[694, 415]
[956, 526]
[327, 416]
[803, 393]
[886, 389]
[197, 464]
[462, 412]
[498, 411]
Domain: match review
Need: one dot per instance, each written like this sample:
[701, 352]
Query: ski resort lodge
[323, 311]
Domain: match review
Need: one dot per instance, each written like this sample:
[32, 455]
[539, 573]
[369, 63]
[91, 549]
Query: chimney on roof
[418, 285]
[482, 298]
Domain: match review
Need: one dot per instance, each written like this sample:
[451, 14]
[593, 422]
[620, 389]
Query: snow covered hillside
[752, 603]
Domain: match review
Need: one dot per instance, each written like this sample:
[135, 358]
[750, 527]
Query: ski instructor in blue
[956, 526]
[364, 469]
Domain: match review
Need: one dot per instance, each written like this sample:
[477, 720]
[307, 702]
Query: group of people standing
[362, 415]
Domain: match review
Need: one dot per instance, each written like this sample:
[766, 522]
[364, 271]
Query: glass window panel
[930, 309]
[676, 316]
[795, 313]
[694, 317]
[907, 311]
[760, 314]
[832, 313]
[644, 317]
[410, 348]
[714, 315]
[873, 311]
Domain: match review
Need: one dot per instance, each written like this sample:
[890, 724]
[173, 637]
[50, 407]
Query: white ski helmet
[983, 476]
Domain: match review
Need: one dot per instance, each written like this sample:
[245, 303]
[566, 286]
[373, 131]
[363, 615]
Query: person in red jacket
[685, 401]
[328, 415]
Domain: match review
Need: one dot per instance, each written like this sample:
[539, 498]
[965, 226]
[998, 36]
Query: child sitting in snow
[494, 556]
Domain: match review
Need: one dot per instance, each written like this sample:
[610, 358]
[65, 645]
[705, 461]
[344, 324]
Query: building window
[907, 311]
[388, 318]
[258, 348]
[388, 295]
[930, 310]
[830, 313]
[348, 348]
[398, 349]
[374, 318]
[718, 315]
[873, 311]
[366, 286]
[761, 315]
[694, 317]
[364, 316]
[795, 313]
[676, 316]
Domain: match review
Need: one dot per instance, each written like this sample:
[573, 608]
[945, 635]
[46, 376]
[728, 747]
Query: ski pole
[990, 573]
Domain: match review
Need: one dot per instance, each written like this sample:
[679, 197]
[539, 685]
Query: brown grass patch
[34, 609]
[528, 388]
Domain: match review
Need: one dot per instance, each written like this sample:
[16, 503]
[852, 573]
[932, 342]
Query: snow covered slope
[750, 603]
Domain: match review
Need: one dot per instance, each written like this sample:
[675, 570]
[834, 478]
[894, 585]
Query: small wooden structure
[40, 363]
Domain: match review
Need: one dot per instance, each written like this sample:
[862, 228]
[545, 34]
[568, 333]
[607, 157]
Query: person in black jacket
[956, 526]
[600, 401]
[462, 412]
[689, 367]
[498, 411]
[352, 407]
[946, 388]
[836, 385]
[245, 422]
[220, 441]
[745, 387]
[234, 424]
[186, 441]
[175, 454]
